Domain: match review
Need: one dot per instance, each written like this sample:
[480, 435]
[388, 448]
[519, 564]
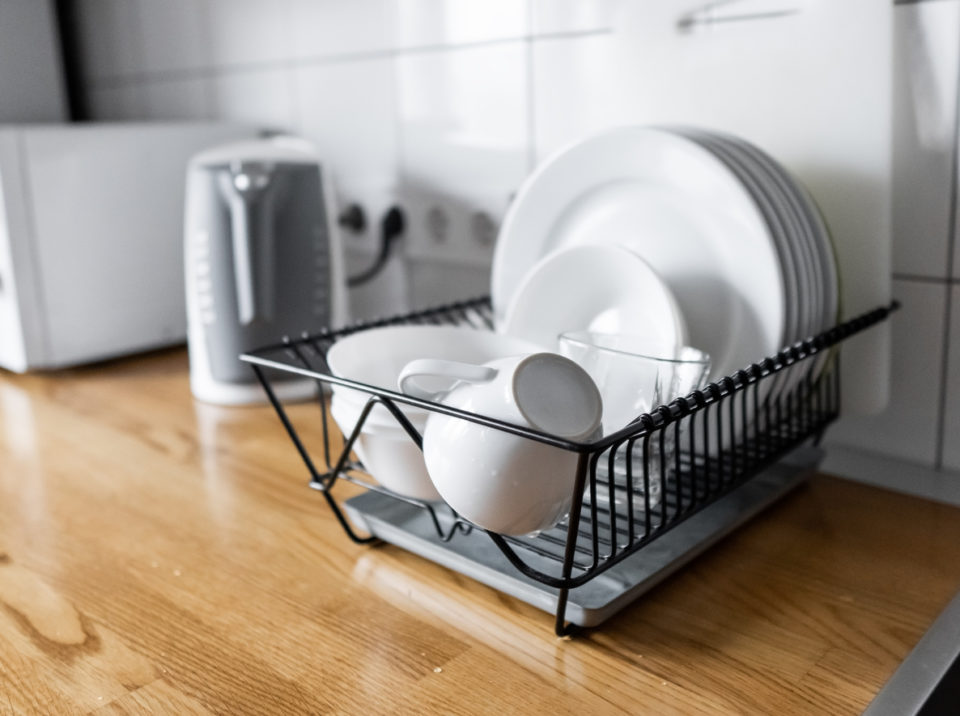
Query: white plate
[796, 273]
[792, 272]
[807, 240]
[813, 243]
[602, 288]
[824, 251]
[798, 251]
[376, 356]
[678, 207]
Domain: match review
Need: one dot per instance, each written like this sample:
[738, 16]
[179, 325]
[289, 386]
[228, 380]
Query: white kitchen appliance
[91, 227]
[263, 261]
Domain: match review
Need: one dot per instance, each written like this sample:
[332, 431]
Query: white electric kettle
[263, 261]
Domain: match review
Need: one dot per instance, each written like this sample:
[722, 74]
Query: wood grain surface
[158, 555]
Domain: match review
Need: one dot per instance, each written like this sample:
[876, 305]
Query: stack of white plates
[807, 258]
[739, 243]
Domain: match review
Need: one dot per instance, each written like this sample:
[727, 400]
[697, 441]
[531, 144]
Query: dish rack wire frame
[758, 415]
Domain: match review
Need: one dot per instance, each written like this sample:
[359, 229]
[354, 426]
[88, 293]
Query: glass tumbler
[634, 376]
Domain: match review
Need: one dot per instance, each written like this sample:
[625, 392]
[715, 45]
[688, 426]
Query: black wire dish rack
[725, 453]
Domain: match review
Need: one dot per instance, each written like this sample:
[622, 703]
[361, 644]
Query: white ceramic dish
[824, 292]
[595, 287]
[803, 298]
[818, 233]
[793, 271]
[804, 240]
[502, 482]
[380, 416]
[678, 207]
[376, 356]
[388, 454]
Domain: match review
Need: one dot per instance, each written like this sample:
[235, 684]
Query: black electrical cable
[391, 228]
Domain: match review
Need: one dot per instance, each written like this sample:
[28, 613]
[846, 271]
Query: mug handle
[468, 372]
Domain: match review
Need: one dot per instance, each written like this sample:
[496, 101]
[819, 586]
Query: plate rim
[563, 165]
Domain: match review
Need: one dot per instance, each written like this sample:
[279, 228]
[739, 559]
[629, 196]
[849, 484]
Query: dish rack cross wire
[725, 452]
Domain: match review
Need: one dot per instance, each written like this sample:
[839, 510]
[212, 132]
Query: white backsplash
[459, 161]
[445, 106]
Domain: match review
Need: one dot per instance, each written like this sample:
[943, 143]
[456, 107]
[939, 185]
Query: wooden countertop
[160, 555]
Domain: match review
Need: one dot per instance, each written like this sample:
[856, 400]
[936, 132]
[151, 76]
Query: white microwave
[91, 238]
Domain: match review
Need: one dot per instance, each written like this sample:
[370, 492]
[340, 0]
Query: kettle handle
[242, 259]
[253, 268]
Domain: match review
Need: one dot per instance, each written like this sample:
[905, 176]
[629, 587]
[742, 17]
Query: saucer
[605, 288]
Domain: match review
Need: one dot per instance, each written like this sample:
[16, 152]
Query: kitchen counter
[158, 554]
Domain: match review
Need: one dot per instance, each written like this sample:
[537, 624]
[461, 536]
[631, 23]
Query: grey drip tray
[476, 556]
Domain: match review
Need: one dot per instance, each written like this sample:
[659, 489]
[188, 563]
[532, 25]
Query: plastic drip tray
[476, 556]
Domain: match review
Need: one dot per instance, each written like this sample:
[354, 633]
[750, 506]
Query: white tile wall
[463, 143]
[385, 295]
[572, 16]
[248, 32]
[348, 110]
[881, 471]
[577, 90]
[325, 28]
[448, 104]
[433, 281]
[951, 421]
[31, 75]
[187, 98]
[907, 428]
[111, 38]
[926, 64]
[261, 96]
[117, 102]
[425, 23]
[176, 35]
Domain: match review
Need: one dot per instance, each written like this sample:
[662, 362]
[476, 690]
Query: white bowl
[356, 400]
[388, 453]
[375, 357]
[557, 296]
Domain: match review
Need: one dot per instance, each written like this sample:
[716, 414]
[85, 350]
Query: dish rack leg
[573, 530]
[316, 479]
[561, 627]
[345, 523]
[282, 414]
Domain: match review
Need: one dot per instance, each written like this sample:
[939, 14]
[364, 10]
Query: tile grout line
[210, 102]
[948, 307]
[190, 73]
[293, 78]
[531, 98]
[397, 190]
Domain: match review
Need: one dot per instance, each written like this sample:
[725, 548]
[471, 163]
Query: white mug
[499, 481]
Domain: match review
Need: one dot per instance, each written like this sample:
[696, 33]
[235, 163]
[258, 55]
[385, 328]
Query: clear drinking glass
[635, 376]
